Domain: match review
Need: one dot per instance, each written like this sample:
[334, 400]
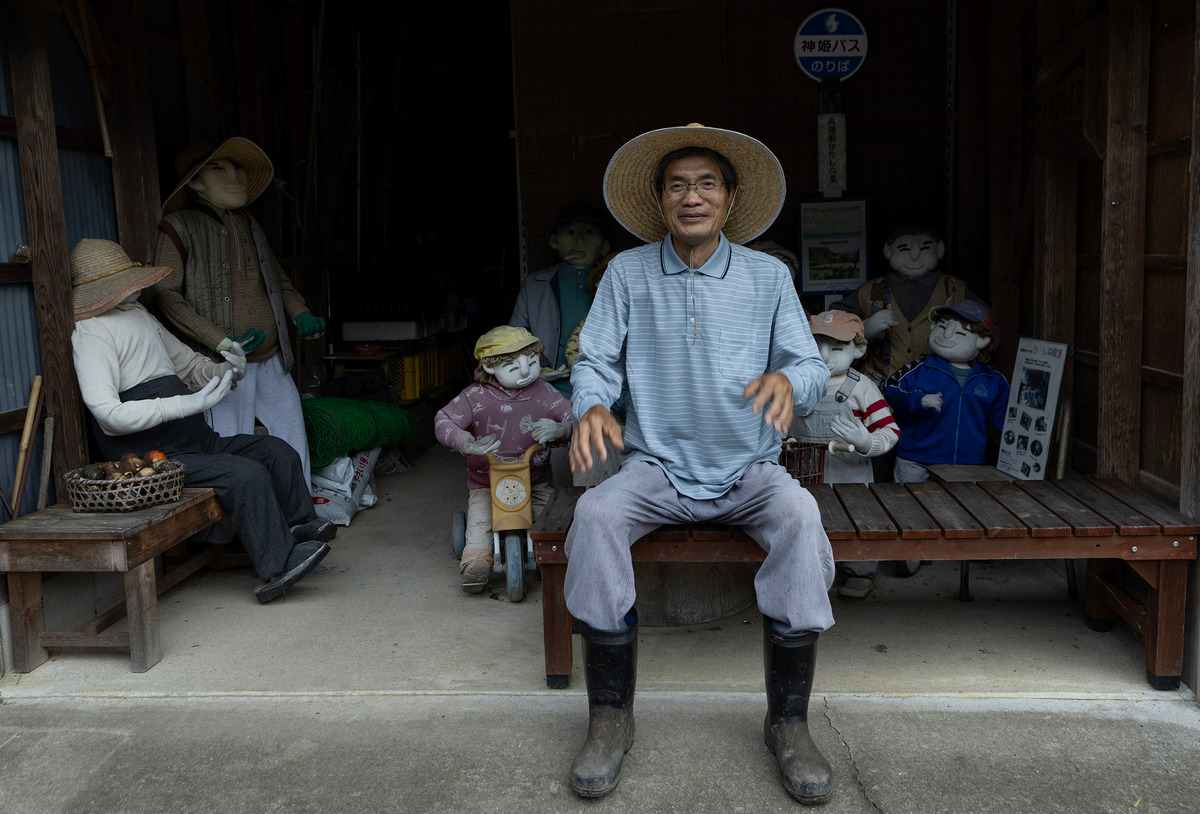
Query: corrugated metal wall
[89, 211]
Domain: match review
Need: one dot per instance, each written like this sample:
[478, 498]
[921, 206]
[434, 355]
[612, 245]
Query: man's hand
[596, 425]
[932, 401]
[879, 322]
[546, 430]
[483, 445]
[773, 389]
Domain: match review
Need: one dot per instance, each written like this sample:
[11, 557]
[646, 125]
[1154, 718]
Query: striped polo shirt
[686, 343]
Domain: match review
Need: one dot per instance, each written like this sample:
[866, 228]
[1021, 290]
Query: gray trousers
[770, 506]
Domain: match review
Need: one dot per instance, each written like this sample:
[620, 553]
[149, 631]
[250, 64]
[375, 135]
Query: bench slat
[1171, 521]
[1041, 521]
[1128, 521]
[833, 517]
[1084, 521]
[911, 518]
[956, 522]
[996, 520]
[867, 515]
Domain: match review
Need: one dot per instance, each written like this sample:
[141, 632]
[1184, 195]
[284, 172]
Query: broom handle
[32, 413]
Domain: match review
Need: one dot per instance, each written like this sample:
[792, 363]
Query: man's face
[694, 218]
[579, 243]
[221, 182]
[837, 355]
[914, 255]
[954, 343]
[520, 372]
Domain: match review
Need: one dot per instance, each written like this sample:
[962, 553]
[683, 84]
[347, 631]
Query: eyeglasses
[707, 188]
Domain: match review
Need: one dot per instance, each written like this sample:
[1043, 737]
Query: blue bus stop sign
[830, 43]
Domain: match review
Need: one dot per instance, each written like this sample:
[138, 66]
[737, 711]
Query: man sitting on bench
[714, 348]
[136, 379]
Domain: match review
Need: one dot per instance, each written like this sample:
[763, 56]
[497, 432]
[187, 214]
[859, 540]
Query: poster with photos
[1032, 401]
[833, 245]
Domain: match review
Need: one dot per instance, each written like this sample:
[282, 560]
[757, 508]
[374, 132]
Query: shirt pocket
[740, 357]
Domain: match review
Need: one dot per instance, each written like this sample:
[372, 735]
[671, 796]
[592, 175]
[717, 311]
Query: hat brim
[630, 196]
[94, 298]
[255, 163]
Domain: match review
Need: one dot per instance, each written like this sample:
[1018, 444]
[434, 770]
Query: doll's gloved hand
[932, 401]
[310, 327]
[249, 342]
[207, 396]
[235, 361]
[879, 322]
[483, 445]
[546, 430]
[852, 432]
[553, 374]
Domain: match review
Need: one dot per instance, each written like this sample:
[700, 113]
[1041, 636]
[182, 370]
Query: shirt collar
[716, 266]
[927, 281]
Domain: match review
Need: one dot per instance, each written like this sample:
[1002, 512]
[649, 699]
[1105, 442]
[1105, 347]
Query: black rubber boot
[789, 663]
[610, 669]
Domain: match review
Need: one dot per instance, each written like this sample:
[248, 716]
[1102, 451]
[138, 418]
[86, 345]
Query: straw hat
[102, 276]
[258, 168]
[630, 196]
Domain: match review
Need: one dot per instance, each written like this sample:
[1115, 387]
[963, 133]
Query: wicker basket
[804, 462]
[126, 494]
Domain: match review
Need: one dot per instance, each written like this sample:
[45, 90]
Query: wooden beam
[204, 123]
[131, 125]
[46, 226]
[1004, 172]
[249, 73]
[1189, 474]
[1123, 240]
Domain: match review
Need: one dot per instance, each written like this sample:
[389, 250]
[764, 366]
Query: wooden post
[135, 163]
[1122, 241]
[1054, 256]
[1004, 172]
[1189, 465]
[37, 151]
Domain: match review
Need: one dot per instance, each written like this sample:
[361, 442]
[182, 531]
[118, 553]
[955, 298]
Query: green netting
[336, 427]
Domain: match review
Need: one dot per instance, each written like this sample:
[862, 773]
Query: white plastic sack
[341, 488]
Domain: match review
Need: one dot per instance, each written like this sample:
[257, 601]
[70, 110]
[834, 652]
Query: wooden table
[59, 539]
[1103, 521]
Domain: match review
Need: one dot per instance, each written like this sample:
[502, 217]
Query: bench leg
[556, 626]
[1098, 615]
[141, 603]
[1165, 614]
[28, 620]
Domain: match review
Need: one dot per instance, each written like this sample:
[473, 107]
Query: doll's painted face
[838, 356]
[579, 243]
[221, 182]
[516, 373]
[914, 255]
[954, 343]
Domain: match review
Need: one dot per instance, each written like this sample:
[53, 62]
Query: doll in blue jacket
[946, 401]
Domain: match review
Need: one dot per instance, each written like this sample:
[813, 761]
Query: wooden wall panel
[589, 78]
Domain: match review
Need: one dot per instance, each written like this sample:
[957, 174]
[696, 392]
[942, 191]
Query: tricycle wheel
[458, 533]
[514, 564]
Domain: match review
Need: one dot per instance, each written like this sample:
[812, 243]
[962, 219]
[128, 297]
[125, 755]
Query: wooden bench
[1103, 521]
[59, 539]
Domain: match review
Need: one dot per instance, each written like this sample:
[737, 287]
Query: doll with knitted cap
[508, 409]
[947, 401]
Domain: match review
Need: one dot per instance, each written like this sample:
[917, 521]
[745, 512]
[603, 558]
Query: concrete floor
[376, 685]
